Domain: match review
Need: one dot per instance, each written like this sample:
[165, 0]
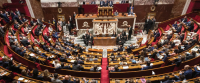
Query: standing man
[129, 32]
[148, 24]
[71, 21]
[102, 3]
[154, 23]
[110, 3]
[90, 39]
[69, 27]
[105, 3]
[93, 2]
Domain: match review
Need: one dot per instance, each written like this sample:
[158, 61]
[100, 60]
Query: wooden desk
[104, 41]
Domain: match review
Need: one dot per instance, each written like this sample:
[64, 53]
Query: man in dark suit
[184, 20]
[69, 27]
[25, 41]
[119, 40]
[191, 26]
[179, 28]
[129, 32]
[156, 35]
[71, 22]
[30, 48]
[110, 3]
[32, 22]
[76, 67]
[105, 3]
[4, 16]
[102, 3]
[24, 19]
[46, 37]
[16, 25]
[123, 1]
[90, 39]
[120, 48]
[93, 2]
[148, 24]
[188, 72]
[167, 80]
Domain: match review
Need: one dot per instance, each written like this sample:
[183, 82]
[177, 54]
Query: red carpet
[104, 72]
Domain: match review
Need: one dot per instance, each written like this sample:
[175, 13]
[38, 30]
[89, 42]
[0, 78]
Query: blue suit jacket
[188, 74]
[147, 67]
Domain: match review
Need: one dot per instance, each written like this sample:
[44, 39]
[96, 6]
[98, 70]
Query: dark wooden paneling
[120, 22]
[81, 21]
[52, 12]
[162, 12]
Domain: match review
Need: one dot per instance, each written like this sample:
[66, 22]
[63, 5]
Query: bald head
[66, 77]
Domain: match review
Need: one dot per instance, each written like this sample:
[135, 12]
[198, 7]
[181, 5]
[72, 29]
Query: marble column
[9, 1]
[186, 7]
[30, 8]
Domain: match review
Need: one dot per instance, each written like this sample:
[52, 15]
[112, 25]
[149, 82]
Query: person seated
[190, 26]
[24, 19]
[118, 55]
[94, 69]
[113, 58]
[167, 80]
[4, 16]
[116, 69]
[175, 25]
[55, 35]
[197, 72]
[42, 54]
[16, 25]
[131, 12]
[120, 48]
[93, 2]
[123, 58]
[188, 72]
[76, 66]
[56, 63]
[184, 20]
[119, 42]
[148, 66]
[25, 42]
[35, 74]
[62, 66]
[32, 22]
[116, 13]
[20, 20]
[56, 79]
[25, 73]
[67, 79]
[114, 34]
[156, 35]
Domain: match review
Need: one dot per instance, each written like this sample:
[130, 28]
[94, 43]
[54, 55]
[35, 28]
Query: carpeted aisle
[104, 72]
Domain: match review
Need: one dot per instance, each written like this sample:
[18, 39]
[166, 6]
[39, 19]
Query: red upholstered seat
[13, 28]
[167, 28]
[33, 31]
